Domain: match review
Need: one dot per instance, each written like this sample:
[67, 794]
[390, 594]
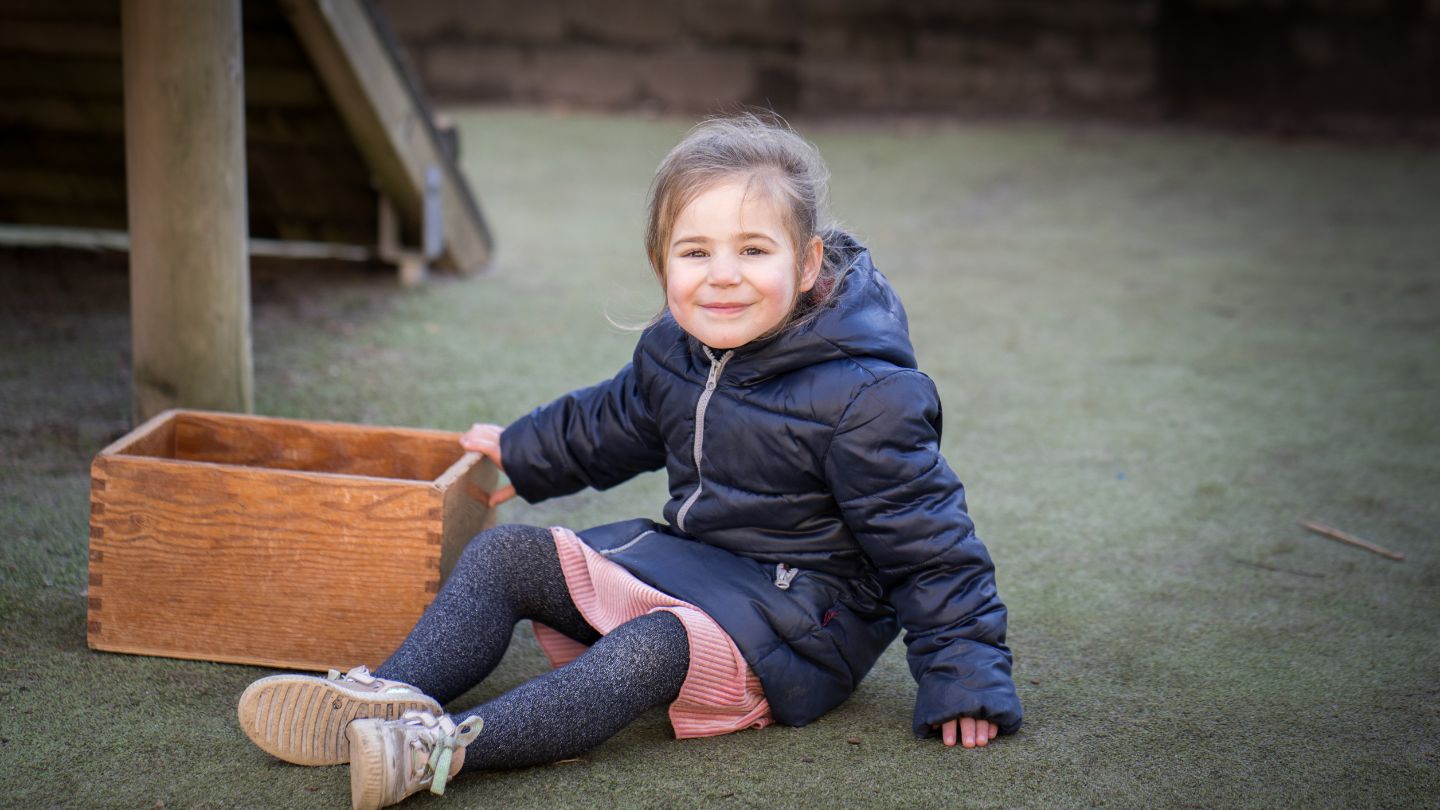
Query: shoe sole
[302, 719]
[368, 769]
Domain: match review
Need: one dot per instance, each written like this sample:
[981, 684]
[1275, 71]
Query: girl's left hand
[972, 732]
[485, 439]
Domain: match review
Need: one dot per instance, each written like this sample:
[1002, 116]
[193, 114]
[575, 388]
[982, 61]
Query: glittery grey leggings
[511, 573]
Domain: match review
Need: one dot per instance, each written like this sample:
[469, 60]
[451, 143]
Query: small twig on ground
[1350, 539]
[1276, 568]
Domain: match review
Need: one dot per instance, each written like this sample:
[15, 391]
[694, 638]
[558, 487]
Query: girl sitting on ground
[811, 517]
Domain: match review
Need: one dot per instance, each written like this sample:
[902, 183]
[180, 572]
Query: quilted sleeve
[906, 508]
[595, 437]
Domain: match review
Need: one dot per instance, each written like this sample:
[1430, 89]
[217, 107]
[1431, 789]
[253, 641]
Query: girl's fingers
[968, 731]
[502, 495]
[947, 732]
[982, 733]
[489, 451]
[477, 438]
[483, 439]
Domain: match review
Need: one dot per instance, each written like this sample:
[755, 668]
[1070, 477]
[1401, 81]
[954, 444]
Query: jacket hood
[863, 319]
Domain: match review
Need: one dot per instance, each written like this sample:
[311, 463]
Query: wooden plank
[114, 239]
[84, 38]
[285, 229]
[267, 221]
[70, 10]
[286, 87]
[62, 185]
[331, 188]
[72, 150]
[465, 486]
[388, 121]
[66, 77]
[272, 48]
[62, 214]
[154, 438]
[311, 238]
[47, 114]
[82, 78]
[311, 250]
[346, 217]
[353, 240]
[283, 444]
[264, 15]
[292, 238]
[340, 428]
[311, 130]
[329, 207]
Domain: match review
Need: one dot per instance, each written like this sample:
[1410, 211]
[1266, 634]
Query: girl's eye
[693, 254]
[753, 251]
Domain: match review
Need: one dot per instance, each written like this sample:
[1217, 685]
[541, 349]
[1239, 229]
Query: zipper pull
[783, 576]
[715, 366]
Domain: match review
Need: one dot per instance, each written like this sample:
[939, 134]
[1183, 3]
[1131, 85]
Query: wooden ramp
[343, 154]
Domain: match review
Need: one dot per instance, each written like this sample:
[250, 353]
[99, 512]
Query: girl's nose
[724, 271]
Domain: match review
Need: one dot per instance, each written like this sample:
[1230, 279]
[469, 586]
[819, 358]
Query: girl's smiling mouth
[724, 309]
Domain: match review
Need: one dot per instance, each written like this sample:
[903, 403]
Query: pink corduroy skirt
[720, 693]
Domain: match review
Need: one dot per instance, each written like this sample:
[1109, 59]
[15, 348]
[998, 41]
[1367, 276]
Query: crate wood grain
[275, 542]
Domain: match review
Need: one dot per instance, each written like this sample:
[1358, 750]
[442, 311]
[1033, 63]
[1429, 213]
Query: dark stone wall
[811, 56]
[1330, 64]
[1313, 63]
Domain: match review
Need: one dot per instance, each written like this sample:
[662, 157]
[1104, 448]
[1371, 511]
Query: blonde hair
[771, 158]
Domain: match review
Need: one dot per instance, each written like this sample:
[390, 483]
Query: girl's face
[730, 268]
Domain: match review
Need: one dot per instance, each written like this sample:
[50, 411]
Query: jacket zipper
[784, 575]
[716, 366]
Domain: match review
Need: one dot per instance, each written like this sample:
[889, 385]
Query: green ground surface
[1157, 349]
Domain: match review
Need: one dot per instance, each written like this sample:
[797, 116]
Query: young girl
[811, 517]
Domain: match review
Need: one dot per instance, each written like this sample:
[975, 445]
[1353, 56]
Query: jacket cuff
[946, 696]
[517, 443]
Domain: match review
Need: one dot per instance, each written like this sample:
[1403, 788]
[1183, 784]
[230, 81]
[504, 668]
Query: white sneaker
[302, 718]
[391, 759]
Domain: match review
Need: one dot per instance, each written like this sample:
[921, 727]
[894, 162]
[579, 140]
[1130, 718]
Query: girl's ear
[810, 266]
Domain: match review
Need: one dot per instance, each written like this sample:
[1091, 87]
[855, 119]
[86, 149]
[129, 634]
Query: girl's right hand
[485, 439]
[968, 731]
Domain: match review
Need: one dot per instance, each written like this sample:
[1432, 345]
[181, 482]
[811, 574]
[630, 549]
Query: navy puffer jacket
[810, 514]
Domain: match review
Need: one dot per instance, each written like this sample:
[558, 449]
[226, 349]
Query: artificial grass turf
[1157, 348]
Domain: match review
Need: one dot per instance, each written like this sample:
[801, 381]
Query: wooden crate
[276, 542]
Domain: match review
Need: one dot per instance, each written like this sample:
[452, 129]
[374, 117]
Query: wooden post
[185, 167]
